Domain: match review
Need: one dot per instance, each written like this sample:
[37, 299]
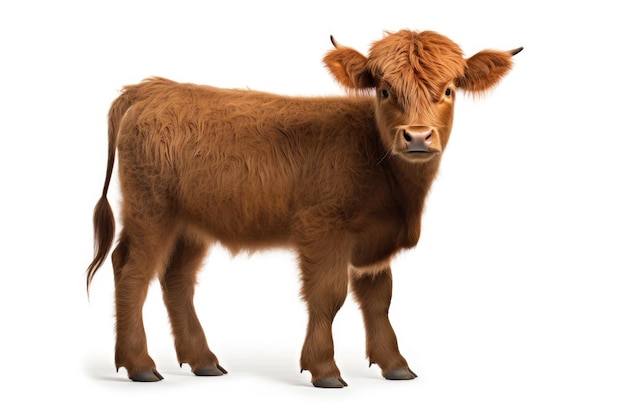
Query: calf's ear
[485, 69]
[349, 67]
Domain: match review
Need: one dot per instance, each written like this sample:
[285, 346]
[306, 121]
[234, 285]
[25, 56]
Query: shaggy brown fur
[340, 180]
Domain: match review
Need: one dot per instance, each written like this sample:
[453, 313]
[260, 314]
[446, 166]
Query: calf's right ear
[349, 67]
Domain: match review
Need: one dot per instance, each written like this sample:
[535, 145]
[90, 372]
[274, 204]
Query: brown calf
[340, 180]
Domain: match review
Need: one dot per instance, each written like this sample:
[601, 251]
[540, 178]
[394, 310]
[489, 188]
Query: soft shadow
[277, 366]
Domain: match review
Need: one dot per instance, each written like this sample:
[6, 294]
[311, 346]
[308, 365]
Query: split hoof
[210, 370]
[400, 374]
[151, 375]
[330, 382]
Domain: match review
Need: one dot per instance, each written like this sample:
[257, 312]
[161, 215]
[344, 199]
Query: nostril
[407, 136]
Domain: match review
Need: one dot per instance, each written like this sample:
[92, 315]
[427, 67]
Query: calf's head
[416, 76]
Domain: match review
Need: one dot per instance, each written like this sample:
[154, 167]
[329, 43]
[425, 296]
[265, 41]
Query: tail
[103, 220]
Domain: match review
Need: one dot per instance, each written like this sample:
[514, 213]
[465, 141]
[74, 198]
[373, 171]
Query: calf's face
[416, 76]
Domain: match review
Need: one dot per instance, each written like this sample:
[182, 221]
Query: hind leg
[178, 284]
[373, 293]
[136, 260]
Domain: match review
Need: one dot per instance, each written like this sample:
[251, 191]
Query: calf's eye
[448, 92]
[384, 93]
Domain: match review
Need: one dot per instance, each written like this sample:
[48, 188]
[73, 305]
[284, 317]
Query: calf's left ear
[485, 69]
[349, 67]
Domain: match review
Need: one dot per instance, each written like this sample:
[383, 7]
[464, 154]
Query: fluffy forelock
[417, 65]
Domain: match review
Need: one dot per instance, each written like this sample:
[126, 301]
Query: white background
[512, 303]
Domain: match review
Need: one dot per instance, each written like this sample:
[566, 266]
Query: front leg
[373, 293]
[324, 288]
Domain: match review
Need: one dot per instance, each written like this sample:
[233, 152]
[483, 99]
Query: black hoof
[210, 370]
[400, 374]
[330, 382]
[151, 375]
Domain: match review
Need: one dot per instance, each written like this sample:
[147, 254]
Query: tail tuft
[104, 233]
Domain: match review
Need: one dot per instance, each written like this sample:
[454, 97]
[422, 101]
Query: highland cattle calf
[339, 180]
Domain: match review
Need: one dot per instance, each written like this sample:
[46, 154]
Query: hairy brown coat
[340, 180]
